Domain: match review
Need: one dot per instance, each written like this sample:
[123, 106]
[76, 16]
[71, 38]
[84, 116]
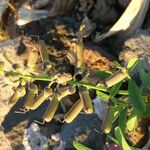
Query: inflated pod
[120, 75]
[33, 57]
[40, 99]
[20, 92]
[87, 102]
[64, 91]
[62, 78]
[79, 52]
[44, 55]
[111, 115]
[48, 116]
[32, 91]
[71, 55]
[74, 111]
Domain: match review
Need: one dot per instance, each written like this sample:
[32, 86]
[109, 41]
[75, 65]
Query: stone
[85, 129]
[33, 139]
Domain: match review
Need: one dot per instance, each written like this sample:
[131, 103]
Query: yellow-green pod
[74, 111]
[87, 102]
[20, 92]
[120, 75]
[80, 53]
[111, 115]
[33, 56]
[62, 78]
[32, 91]
[40, 99]
[48, 116]
[64, 91]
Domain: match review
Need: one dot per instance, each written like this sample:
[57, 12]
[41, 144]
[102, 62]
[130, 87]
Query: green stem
[96, 87]
[72, 82]
[25, 76]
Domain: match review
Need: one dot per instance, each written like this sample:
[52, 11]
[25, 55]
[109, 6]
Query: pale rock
[33, 139]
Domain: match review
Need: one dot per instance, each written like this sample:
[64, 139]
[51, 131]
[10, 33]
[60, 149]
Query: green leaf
[122, 120]
[112, 139]
[147, 112]
[120, 138]
[132, 121]
[135, 97]
[146, 81]
[80, 146]
[142, 72]
[102, 96]
[115, 89]
[103, 74]
[117, 64]
[131, 64]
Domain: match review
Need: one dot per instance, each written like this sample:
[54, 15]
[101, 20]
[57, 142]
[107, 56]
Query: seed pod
[64, 91]
[32, 91]
[40, 99]
[71, 55]
[111, 115]
[62, 78]
[115, 78]
[48, 116]
[74, 111]
[33, 56]
[44, 54]
[20, 92]
[87, 102]
[79, 52]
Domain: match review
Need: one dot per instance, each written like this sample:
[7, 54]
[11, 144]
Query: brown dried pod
[40, 99]
[44, 54]
[64, 91]
[74, 111]
[87, 102]
[20, 92]
[48, 116]
[71, 55]
[120, 75]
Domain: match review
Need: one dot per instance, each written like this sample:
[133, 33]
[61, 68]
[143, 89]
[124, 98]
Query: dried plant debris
[37, 4]
[62, 7]
[82, 8]
[95, 61]
[103, 8]
[134, 21]
[123, 3]
[3, 6]
[3, 35]
[137, 46]
[25, 15]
